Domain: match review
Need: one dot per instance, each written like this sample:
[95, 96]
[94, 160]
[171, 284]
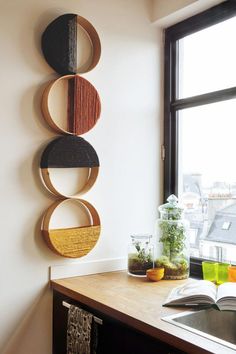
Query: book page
[195, 292]
[226, 290]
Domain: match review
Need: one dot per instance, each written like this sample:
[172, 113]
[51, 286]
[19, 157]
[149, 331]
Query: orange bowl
[155, 274]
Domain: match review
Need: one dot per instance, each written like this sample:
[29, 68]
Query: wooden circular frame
[50, 34]
[92, 176]
[81, 239]
[96, 44]
[78, 154]
[48, 117]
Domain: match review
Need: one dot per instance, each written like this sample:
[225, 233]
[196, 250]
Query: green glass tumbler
[222, 273]
[210, 271]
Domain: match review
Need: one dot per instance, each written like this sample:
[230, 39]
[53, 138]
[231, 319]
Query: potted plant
[140, 256]
[172, 232]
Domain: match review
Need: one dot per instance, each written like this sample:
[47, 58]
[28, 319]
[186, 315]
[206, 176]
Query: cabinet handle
[96, 319]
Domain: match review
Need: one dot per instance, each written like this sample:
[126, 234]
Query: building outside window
[200, 128]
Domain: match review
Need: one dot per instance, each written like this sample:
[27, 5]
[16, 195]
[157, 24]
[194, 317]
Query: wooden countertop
[137, 303]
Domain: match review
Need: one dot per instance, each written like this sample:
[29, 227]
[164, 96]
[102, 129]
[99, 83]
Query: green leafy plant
[173, 240]
[141, 260]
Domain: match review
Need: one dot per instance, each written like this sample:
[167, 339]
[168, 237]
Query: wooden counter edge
[132, 322]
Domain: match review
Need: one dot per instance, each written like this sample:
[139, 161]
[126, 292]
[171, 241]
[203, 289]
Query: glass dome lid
[171, 210]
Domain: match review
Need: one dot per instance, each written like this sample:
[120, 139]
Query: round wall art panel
[71, 45]
[71, 105]
[78, 235]
[69, 159]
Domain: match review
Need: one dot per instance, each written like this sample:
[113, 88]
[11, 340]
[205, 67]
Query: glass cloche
[172, 240]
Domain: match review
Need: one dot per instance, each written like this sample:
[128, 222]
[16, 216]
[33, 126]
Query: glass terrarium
[140, 255]
[172, 237]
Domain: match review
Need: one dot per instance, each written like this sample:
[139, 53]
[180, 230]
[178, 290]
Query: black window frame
[172, 104]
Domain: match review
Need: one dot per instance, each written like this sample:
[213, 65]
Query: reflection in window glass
[207, 60]
[207, 177]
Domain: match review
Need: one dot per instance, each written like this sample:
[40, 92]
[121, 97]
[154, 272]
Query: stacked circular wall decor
[70, 152]
[60, 45]
[71, 106]
[74, 241]
[79, 107]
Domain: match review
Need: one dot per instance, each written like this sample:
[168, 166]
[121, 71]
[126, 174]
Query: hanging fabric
[79, 331]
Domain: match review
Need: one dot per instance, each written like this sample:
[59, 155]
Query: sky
[207, 133]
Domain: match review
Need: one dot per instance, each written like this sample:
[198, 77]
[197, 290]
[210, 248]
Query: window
[200, 128]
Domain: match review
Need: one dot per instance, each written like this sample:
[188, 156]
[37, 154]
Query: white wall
[163, 8]
[126, 139]
[166, 13]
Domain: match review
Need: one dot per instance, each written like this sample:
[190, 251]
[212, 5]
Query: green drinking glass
[210, 271]
[222, 273]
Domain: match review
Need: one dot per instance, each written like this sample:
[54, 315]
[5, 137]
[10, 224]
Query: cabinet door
[113, 336]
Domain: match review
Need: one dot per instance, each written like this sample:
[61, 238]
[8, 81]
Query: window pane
[207, 177]
[207, 60]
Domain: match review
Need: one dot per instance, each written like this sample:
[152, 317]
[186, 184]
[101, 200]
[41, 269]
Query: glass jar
[172, 240]
[140, 255]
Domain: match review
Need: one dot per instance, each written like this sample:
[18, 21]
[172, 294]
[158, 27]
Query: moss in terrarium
[140, 261]
[137, 265]
[177, 269]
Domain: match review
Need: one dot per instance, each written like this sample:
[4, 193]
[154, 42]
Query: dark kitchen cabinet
[114, 337]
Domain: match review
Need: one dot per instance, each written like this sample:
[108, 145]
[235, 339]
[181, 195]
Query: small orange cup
[232, 273]
[155, 274]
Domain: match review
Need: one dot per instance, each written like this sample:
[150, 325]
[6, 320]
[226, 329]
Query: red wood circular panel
[71, 105]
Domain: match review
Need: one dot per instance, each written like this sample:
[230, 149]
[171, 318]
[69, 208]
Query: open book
[203, 293]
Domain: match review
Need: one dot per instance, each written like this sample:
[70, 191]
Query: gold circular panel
[71, 241]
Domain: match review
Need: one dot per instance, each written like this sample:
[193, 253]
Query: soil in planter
[178, 269]
[137, 266]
